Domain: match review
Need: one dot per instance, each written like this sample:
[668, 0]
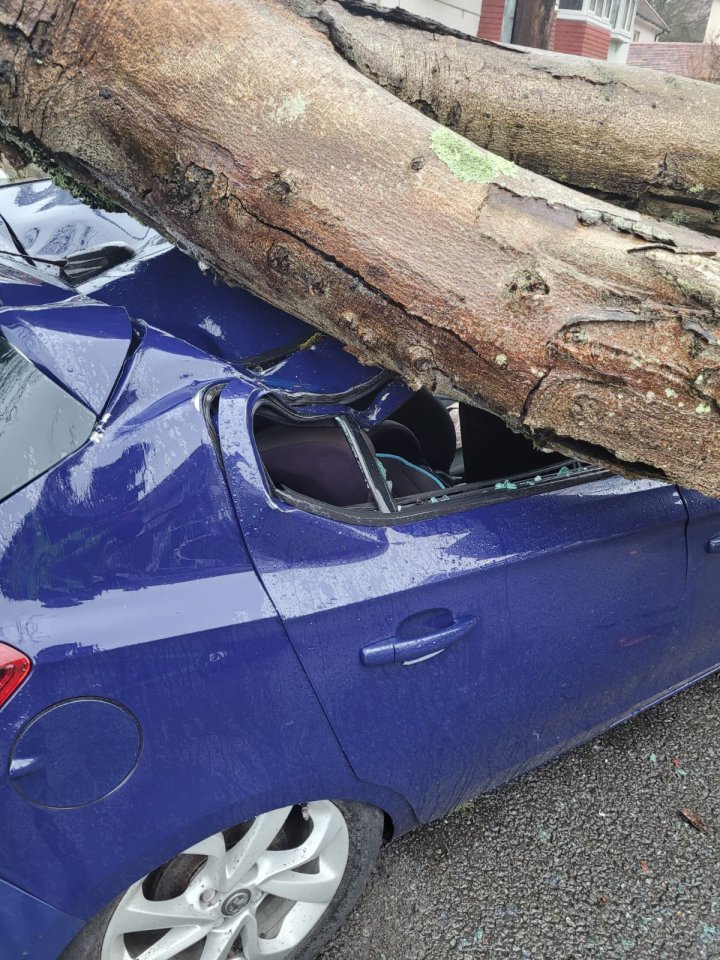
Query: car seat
[314, 460]
[398, 450]
[425, 416]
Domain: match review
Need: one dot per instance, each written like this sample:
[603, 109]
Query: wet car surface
[242, 573]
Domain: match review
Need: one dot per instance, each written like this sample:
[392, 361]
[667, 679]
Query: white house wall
[644, 32]
[461, 15]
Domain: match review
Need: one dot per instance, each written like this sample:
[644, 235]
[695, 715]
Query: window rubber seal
[430, 506]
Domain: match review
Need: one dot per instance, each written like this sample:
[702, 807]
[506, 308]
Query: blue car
[263, 607]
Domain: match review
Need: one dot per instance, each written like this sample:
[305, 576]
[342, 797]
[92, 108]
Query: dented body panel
[202, 650]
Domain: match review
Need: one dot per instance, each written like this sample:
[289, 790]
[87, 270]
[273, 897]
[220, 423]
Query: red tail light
[14, 668]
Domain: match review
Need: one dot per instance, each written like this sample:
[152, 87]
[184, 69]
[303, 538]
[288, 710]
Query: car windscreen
[40, 423]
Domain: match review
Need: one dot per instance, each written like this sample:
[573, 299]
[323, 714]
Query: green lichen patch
[291, 109]
[697, 188]
[466, 161]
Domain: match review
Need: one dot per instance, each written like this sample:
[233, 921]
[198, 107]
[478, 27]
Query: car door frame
[260, 508]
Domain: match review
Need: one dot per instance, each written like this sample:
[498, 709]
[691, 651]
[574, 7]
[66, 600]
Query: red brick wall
[491, 17]
[553, 31]
[581, 38]
[568, 36]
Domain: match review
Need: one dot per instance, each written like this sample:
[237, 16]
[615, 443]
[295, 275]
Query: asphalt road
[586, 857]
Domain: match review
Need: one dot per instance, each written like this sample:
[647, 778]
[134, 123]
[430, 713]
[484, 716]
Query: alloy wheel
[255, 891]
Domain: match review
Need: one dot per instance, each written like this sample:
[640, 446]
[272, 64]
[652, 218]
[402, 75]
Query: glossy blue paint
[124, 577]
[31, 929]
[270, 655]
[321, 366]
[168, 290]
[78, 344]
[439, 632]
[391, 396]
[713, 545]
[23, 285]
[703, 619]
[49, 222]
[75, 752]
[541, 575]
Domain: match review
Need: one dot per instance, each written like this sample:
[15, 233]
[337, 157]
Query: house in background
[622, 31]
[648, 24]
[590, 28]
[602, 29]
[461, 15]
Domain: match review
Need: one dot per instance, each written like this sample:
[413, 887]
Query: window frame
[384, 510]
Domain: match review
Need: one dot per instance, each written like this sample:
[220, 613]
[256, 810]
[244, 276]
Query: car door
[703, 630]
[453, 650]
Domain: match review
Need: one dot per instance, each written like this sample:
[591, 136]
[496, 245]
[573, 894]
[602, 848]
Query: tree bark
[626, 131]
[238, 132]
[532, 26]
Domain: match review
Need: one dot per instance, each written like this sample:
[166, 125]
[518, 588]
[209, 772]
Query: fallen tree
[626, 133]
[240, 133]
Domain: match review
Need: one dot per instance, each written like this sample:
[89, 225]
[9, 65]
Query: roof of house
[646, 12]
[696, 60]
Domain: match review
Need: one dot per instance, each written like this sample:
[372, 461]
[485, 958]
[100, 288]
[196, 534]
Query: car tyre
[201, 903]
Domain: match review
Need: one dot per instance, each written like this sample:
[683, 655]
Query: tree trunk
[532, 26]
[238, 131]
[626, 131]
[691, 215]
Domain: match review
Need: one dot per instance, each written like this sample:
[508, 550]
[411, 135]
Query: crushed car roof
[49, 236]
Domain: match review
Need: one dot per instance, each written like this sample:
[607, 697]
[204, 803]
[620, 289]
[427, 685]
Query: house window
[618, 13]
[629, 16]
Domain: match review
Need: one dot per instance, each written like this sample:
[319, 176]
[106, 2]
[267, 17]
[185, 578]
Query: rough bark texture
[532, 26]
[629, 132]
[238, 131]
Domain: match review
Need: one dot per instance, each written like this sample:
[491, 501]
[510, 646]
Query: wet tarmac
[587, 857]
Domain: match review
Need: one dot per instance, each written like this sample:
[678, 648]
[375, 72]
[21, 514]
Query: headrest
[392, 437]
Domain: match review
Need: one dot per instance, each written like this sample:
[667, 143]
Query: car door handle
[407, 652]
[713, 546]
